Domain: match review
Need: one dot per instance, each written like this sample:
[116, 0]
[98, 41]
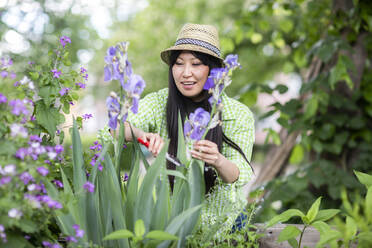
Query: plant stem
[302, 233]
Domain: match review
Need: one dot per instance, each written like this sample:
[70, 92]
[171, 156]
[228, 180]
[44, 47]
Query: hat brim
[165, 55]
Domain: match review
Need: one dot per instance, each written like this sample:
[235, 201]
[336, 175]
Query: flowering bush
[31, 157]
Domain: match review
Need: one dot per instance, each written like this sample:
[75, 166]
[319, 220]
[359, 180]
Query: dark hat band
[201, 43]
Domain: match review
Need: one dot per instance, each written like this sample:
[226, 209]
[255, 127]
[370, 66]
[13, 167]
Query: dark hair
[177, 103]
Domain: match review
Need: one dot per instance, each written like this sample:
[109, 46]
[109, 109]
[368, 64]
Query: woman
[227, 148]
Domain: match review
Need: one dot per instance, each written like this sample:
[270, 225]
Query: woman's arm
[207, 151]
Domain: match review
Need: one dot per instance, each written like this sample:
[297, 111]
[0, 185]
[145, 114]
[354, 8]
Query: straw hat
[196, 37]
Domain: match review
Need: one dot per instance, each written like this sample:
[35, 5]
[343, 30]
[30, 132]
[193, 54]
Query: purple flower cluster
[88, 186]
[3, 234]
[119, 68]
[80, 85]
[84, 73]
[50, 245]
[56, 73]
[3, 99]
[64, 91]
[37, 200]
[35, 149]
[5, 62]
[87, 116]
[18, 107]
[64, 40]
[195, 127]
[96, 148]
[79, 233]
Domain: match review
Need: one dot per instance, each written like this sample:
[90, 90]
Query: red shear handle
[145, 143]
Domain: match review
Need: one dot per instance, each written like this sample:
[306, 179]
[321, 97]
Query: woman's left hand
[206, 151]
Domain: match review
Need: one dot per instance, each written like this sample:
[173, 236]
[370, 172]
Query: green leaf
[281, 88]
[7, 147]
[339, 72]
[351, 227]
[288, 232]
[321, 226]
[139, 228]
[286, 215]
[313, 211]
[293, 242]
[179, 220]
[368, 204]
[249, 98]
[286, 25]
[328, 236]
[365, 236]
[176, 174]
[47, 117]
[311, 108]
[364, 178]
[120, 234]
[34, 75]
[297, 154]
[146, 200]
[28, 226]
[160, 235]
[324, 215]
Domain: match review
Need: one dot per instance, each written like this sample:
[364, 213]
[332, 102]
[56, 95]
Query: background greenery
[326, 43]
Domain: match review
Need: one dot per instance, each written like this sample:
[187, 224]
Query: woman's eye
[196, 64]
[178, 63]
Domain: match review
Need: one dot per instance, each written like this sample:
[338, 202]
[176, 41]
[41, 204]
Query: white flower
[15, 213]
[9, 169]
[276, 205]
[18, 129]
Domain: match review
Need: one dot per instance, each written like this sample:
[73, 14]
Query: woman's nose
[187, 72]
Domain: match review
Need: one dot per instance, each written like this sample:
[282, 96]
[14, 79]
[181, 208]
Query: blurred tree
[29, 29]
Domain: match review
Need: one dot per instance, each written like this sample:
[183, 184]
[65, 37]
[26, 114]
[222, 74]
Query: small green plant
[155, 237]
[314, 217]
[356, 226]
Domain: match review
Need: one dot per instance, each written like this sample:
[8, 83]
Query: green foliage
[354, 227]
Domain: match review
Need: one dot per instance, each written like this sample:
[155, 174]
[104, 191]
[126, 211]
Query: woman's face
[190, 75]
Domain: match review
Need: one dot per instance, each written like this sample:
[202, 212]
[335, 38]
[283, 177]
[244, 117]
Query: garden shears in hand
[168, 157]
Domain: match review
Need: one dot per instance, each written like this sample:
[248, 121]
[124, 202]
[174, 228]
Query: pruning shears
[168, 157]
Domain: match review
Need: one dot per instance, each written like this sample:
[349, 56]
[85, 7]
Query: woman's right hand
[156, 143]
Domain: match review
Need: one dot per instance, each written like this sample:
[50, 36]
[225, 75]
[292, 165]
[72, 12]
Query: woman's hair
[177, 103]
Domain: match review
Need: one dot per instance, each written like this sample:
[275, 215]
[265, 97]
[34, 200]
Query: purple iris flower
[215, 75]
[3, 98]
[89, 187]
[64, 40]
[56, 73]
[135, 85]
[196, 125]
[18, 107]
[113, 106]
[231, 61]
